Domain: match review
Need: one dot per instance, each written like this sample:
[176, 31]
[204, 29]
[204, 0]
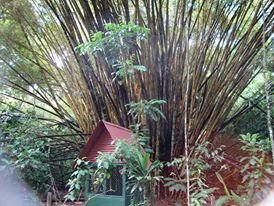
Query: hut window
[111, 186]
[114, 185]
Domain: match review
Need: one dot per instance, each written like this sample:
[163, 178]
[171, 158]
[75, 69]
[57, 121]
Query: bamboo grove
[198, 54]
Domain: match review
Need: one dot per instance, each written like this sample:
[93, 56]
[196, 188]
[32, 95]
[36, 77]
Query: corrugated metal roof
[103, 138]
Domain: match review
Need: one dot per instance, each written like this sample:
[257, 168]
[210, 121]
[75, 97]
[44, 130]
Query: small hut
[113, 190]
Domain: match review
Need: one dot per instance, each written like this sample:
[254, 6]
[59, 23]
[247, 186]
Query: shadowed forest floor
[230, 172]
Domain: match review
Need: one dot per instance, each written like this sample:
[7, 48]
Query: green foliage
[140, 134]
[141, 171]
[230, 195]
[200, 162]
[105, 162]
[115, 40]
[256, 170]
[116, 44]
[77, 178]
[27, 149]
[253, 121]
[13, 49]
[27, 153]
[255, 143]
[147, 108]
[254, 118]
[142, 203]
[137, 165]
[125, 69]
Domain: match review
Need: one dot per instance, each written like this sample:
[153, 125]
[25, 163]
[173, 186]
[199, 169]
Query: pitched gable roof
[102, 139]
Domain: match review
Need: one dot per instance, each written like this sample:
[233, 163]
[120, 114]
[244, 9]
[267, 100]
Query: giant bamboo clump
[198, 55]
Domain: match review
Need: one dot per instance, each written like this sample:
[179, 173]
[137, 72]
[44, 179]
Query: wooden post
[49, 199]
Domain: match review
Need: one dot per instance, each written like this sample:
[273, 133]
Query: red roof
[103, 138]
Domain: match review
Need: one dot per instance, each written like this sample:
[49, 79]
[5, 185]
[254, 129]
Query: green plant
[250, 108]
[125, 69]
[138, 167]
[24, 150]
[140, 134]
[31, 147]
[116, 44]
[230, 195]
[255, 143]
[147, 108]
[141, 176]
[257, 170]
[117, 39]
[105, 162]
[201, 161]
[77, 178]
[141, 171]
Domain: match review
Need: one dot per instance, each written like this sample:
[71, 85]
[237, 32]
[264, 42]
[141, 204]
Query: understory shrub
[257, 171]
[28, 150]
[252, 121]
[25, 151]
[202, 160]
